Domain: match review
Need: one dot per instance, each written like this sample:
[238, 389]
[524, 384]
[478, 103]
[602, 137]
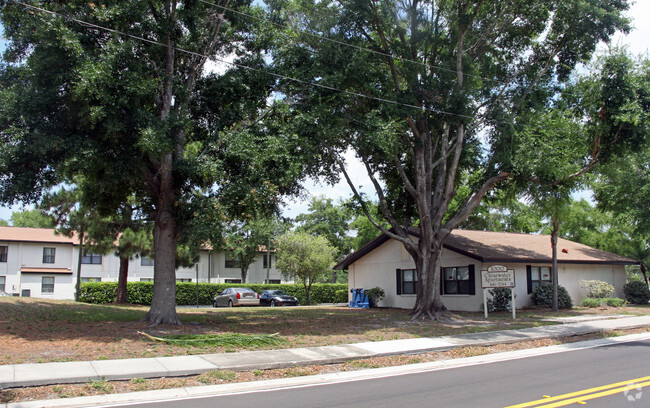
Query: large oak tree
[425, 91]
[120, 92]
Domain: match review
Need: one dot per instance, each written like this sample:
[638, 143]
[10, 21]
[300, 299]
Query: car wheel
[230, 303]
[273, 303]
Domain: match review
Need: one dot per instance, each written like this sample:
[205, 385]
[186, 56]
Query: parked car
[277, 298]
[236, 297]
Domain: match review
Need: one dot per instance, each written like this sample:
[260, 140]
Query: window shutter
[529, 277]
[442, 280]
[398, 273]
[472, 280]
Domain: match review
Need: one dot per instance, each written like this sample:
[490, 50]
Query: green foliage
[223, 340]
[375, 295]
[591, 302]
[341, 296]
[142, 292]
[598, 302]
[543, 296]
[330, 220]
[500, 299]
[636, 292]
[32, 219]
[305, 258]
[597, 289]
[615, 302]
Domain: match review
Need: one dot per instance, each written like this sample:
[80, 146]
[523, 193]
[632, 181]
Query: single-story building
[385, 263]
[37, 262]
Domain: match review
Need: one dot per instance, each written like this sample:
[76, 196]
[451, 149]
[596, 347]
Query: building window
[91, 259]
[48, 255]
[147, 261]
[232, 263]
[47, 284]
[183, 280]
[267, 258]
[275, 281]
[407, 281]
[232, 280]
[83, 280]
[3, 253]
[536, 275]
[146, 279]
[458, 280]
[3, 283]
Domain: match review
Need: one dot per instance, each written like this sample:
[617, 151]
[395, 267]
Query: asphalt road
[599, 377]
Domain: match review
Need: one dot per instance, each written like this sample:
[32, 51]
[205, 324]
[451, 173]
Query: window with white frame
[3, 253]
[47, 284]
[91, 259]
[536, 275]
[146, 279]
[232, 280]
[458, 280]
[183, 280]
[407, 281]
[49, 255]
[3, 283]
[91, 279]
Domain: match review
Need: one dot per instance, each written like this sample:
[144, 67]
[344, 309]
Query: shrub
[597, 289]
[636, 292]
[543, 296]
[501, 299]
[341, 296]
[591, 302]
[375, 295]
[142, 292]
[615, 302]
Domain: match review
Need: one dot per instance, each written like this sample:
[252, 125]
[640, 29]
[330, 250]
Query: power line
[343, 43]
[276, 75]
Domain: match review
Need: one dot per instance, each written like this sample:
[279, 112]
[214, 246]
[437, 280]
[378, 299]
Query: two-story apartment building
[37, 262]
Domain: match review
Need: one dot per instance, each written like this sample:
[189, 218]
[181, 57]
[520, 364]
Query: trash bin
[359, 299]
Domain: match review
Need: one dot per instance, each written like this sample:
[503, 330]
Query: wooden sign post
[498, 276]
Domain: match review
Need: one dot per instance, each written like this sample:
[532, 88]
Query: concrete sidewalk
[20, 375]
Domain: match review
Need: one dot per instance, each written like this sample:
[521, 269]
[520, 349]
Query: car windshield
[277, 292]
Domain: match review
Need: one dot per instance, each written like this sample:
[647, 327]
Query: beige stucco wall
[378, 269]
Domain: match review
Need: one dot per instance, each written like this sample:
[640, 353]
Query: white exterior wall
[378, 269]
[30, 254]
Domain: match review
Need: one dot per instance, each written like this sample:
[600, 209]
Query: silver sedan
[236, 297]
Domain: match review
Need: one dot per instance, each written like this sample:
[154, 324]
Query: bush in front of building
[341, 296]
[597, 289]
[636, 292]
[500, 299]
[543, 296]
[140, 293]
[593, 302]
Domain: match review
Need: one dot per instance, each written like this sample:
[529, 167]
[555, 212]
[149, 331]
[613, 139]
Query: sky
[638, 42]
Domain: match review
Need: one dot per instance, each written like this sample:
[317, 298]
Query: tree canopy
[423, 91]
[124, 95]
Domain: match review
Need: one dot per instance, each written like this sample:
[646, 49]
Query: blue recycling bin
[359, 299]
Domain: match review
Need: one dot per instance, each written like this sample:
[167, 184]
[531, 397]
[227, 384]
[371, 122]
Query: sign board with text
[498, 276]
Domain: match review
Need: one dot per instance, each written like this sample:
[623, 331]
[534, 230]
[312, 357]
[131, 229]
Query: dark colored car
[277, 298]
[236, 297]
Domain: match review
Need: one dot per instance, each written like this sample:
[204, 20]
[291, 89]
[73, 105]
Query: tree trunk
[428, 303]
[122, 279]
[244, 273]
[165, 239]
[554, 237]
[77, 291]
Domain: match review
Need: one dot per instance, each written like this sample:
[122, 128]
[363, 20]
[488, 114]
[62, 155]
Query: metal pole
[485, 305]
[197, 285]
[514, 307]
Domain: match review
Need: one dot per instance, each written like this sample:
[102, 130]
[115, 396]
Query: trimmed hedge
[140, 293]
